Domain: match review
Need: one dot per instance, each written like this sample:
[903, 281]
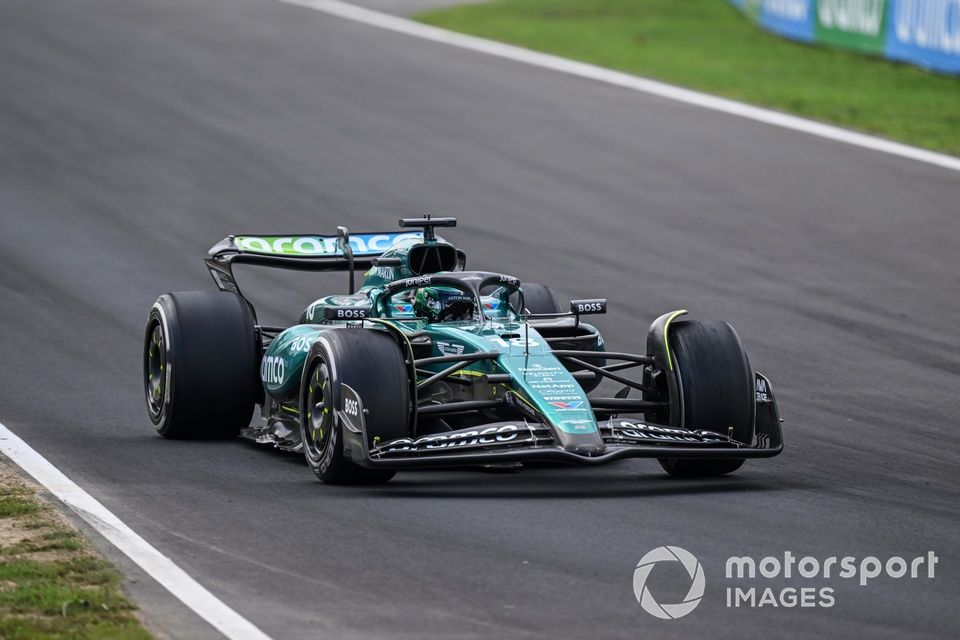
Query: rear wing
[303, 252]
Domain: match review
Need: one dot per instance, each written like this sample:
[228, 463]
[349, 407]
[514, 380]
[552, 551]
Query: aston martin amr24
[427, 364]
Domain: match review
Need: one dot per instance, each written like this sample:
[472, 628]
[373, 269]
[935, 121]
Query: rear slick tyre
[200, 364]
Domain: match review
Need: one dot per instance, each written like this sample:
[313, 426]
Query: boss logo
[302, 343]
[346, 313]
[351, 407]
[586, 307]
[272, 369]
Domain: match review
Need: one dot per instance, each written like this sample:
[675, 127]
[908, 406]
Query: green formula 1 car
[428, 365]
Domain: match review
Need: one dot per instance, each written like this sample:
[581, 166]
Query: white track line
[627, 81]
[161, 568]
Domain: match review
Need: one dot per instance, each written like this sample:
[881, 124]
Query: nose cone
[588, 450]
[584, 444]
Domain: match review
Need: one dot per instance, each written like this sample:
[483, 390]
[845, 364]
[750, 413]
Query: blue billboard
[925, 33]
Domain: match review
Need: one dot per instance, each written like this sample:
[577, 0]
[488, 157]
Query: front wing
[522, 441]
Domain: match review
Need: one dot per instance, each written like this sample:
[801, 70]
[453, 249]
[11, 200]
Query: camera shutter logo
[646, 599]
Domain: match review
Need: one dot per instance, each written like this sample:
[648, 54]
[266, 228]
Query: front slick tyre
[370, 362]
[718, 390]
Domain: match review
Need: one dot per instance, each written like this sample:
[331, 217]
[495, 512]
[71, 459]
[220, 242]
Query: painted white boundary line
[161, 568]
[627, 81]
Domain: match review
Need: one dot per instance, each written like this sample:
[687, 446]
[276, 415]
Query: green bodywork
[540, 382]
[539, 378]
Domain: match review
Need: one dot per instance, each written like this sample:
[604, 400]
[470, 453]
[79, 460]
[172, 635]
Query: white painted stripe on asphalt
[627, 81]
[161, 568]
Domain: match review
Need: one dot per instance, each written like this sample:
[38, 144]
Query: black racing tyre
[538, 298]
[371, 363]
[718, 389]
[200, 364]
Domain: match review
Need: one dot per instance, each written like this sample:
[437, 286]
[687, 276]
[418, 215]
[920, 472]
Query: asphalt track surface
[135, 134]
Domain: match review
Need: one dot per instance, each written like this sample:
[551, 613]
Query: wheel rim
[156, 382]
[318, 410]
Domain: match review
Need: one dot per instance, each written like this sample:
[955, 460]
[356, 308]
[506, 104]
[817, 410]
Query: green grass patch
[15, 501]
[708, 45]
[52, 585]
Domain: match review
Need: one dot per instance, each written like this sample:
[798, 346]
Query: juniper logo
[661, 555]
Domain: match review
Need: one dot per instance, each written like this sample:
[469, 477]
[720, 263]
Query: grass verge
[708, 45]
[52, 584]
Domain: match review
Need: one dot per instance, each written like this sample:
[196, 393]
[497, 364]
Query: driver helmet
[435, 304]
